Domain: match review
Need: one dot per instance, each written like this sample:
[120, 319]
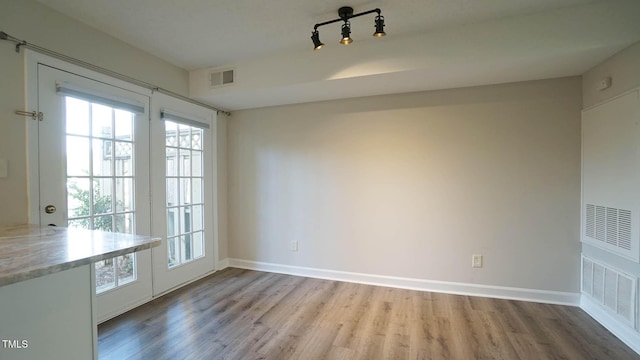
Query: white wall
[412, 185]
[624, 70]
[31, 21]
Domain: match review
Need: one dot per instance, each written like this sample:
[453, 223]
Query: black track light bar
[344, 14]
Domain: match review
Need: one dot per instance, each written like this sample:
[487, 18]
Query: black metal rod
[316, 26]
[96, 68]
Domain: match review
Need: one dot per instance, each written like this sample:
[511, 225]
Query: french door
[99, 142]
[183, 158]
[94, 174]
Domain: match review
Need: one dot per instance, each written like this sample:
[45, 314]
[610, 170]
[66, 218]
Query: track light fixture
[345, 13]
[346, 34]
[317, 44]
[379, 27]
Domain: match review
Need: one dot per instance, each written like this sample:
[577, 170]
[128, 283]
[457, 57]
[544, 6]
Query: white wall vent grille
[221, 78]
[609, 225]
[613, 289]
[624, 234]
[590, 223]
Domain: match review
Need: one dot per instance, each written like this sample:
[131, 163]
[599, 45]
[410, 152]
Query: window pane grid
[100, 180]
[185, 188]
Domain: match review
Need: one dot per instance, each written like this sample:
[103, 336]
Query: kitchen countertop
[30, 251]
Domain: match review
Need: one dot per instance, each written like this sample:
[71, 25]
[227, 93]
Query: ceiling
[431, 44]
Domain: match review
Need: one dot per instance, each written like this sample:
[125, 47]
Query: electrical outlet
[476, 261]
[294, 246]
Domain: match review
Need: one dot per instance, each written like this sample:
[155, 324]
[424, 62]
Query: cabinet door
[611, 176]
[48, 317]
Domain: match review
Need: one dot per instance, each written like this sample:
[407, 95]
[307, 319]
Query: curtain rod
[20, 43]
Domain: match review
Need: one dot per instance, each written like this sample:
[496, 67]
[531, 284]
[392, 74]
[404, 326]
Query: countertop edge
[52, 269]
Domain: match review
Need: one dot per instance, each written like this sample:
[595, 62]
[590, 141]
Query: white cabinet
[49, 317]
[47, 289]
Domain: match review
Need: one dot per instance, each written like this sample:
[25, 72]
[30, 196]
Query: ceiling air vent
[221, 78]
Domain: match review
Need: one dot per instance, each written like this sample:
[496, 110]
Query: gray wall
[412, 185]
[624, 71]
[31, 21]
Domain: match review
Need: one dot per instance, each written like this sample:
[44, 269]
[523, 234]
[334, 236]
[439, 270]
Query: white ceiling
[431, 44]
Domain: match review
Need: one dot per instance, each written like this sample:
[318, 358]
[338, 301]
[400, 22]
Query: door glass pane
[77, 113]
[196, 138]
[171, 131]
[185, 184]
[185, 163]
[172, 169]
[105, 275]
[126, 271]
[196, 191]
[78, 196]
[102, 157]
[185, 191]
[102, 196]
[184, 134]
[172, 191]
[100, 179]
[124, 199]
[173, 251]
[101, 121]
[124, 223]
[78, 156]
[124, 125]
[196, 217]
[124, 158]
[104, 223]
[187, 247]
[172, 222]
[196, 163]
[79, 223]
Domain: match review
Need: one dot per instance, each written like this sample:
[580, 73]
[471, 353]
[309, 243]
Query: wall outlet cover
[476, 261]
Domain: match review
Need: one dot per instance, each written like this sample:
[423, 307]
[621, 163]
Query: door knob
[49, 209]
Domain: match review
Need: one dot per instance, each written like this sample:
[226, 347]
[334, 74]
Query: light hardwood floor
[242, 314]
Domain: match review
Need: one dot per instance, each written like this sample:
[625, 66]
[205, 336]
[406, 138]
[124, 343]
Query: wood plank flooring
[243, 314]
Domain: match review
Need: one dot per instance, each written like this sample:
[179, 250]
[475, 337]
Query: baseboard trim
[128, 307]
[160, 294]
[222, 264]
[624, 332]
[499, 292]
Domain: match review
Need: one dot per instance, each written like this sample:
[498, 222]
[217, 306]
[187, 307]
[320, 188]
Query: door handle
[50, 209]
